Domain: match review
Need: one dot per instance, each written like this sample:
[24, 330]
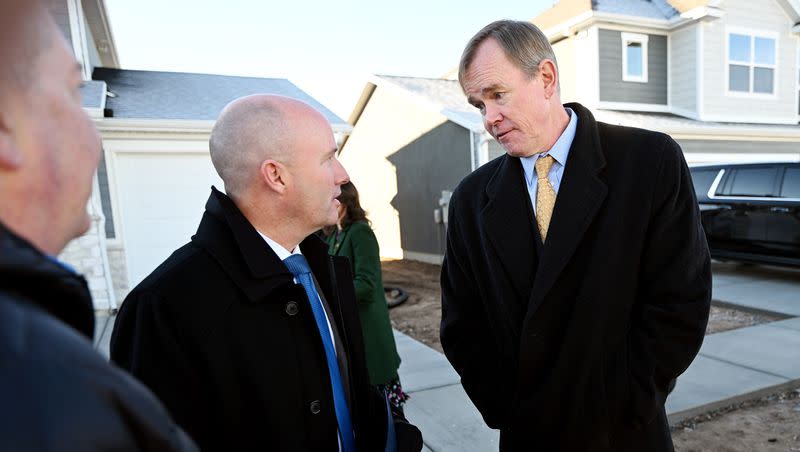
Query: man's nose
[491, 116]
[341, 174]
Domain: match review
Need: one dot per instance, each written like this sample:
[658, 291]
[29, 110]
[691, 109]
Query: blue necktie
[297, 264]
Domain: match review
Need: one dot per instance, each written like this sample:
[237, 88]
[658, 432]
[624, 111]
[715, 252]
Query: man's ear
[549, 76]
[273, 175]
[10, 153]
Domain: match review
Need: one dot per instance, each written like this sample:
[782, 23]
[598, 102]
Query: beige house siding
[686, 5]
[567, 70]
[763, 16]
[388, 123]
[683, 61]
[561, 12]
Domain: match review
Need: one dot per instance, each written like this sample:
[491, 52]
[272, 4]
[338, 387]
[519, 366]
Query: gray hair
[524, 44]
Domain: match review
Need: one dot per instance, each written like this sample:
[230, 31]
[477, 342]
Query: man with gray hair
[57, 393]
[576, 282]
[250, 332]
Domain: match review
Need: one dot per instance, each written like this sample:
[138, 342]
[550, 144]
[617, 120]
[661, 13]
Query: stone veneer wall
[119, 271]
[87, 255]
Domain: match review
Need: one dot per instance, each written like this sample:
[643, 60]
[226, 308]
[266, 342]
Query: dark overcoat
[222, 334]
[57, 393]
[574, 344]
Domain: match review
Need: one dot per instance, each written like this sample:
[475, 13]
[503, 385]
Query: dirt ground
[768, 424]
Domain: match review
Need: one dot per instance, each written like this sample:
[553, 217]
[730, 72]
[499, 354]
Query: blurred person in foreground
[57, 393]
[576, 283]
[250, 333]
[352, 237]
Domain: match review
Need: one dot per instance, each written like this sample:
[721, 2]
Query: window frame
[751, 65]
[629, 38]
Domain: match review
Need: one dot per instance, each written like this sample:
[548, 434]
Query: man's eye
[498, 96]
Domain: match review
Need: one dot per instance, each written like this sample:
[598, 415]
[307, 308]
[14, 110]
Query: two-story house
[721, 77]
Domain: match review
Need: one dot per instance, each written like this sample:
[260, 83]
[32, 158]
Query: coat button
[315, 407]
[291, 308]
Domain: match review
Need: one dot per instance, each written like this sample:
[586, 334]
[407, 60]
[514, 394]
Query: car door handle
[779, 209]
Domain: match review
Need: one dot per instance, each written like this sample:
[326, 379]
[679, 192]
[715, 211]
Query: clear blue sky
[328, 48]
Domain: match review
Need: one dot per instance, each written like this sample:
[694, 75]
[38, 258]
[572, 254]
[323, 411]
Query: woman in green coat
[353, 237]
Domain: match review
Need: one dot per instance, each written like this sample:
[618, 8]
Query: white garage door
[161, 198]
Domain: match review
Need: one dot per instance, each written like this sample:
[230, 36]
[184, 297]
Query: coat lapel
[508, 224]
[580, 196]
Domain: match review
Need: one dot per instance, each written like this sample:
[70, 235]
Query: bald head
[253, 129]
[26, 32]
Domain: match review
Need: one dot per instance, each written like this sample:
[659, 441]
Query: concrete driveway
[757, 287]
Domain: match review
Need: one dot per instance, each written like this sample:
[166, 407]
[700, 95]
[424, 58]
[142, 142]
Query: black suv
[751, 212]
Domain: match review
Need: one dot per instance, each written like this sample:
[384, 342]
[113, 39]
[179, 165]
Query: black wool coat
[222, 334]
[58, 394]
[574, 344]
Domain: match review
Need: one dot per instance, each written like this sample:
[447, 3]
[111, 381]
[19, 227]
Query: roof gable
[444, 95]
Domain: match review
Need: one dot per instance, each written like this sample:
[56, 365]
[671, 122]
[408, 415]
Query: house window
[634, 57]
[751, 63]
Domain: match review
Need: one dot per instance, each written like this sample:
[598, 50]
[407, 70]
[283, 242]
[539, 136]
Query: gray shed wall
[436, 161]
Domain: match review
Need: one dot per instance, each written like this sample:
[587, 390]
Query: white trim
[669, 69]
[589, 19]
[633, 106]
[428, 258]
[173, 126]
[714, 185]
[593, 68]
[633, 29]
[700, 72]
[752, 34]
[686, 113]
[182, 126]
[703, 13]
[750, 119]
[473, 154]
[94, 113]
[78, 36]
[797, 76]
[642, 40]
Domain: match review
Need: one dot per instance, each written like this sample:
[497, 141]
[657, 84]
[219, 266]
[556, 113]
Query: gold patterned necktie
[545, 194]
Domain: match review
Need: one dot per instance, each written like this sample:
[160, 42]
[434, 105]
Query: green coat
[358, 243]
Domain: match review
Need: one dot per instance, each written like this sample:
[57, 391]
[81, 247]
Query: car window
[702, 180]
[791, 183]
[753, 182]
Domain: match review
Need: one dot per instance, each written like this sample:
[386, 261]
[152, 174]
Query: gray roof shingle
[92, 93]
[179, 95]
[651, 9]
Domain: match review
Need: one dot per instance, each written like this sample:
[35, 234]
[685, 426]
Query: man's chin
[83, 226]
